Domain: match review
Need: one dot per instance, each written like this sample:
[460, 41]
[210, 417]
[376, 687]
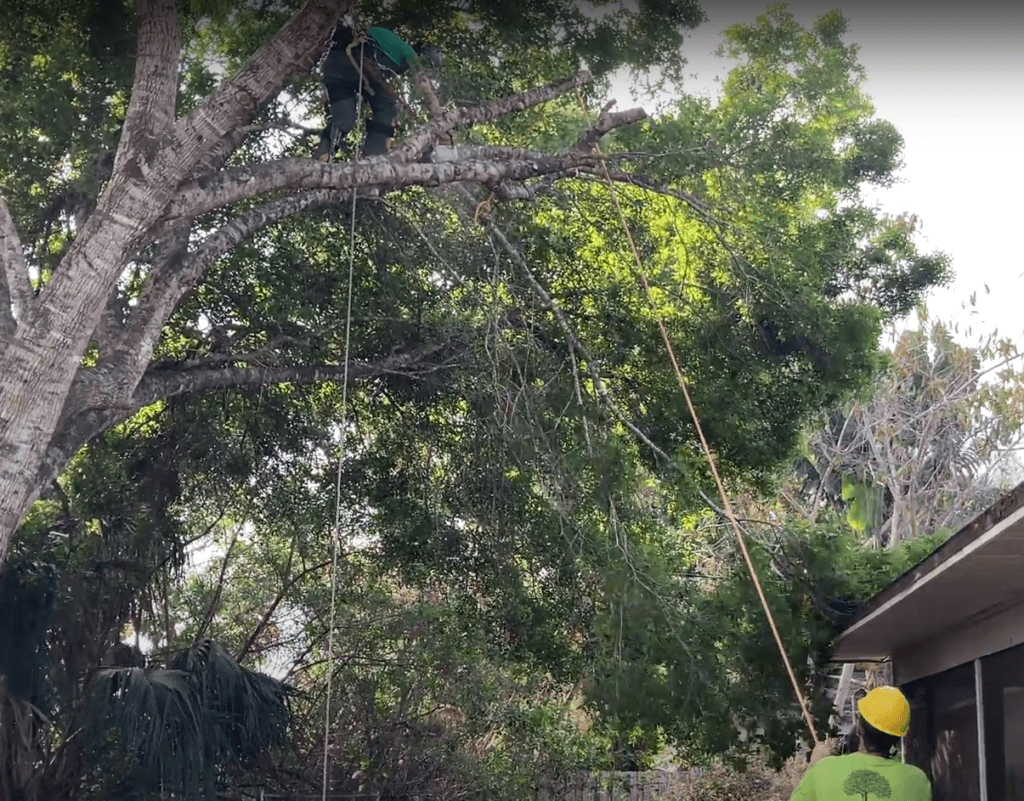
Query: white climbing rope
[336, 537]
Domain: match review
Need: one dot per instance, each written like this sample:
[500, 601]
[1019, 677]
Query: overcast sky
[951, 78]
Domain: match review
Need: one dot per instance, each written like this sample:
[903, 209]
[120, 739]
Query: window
[1013, 739]
[943, 738]
[1003, 694]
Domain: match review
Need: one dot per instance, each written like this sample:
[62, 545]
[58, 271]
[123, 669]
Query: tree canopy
[522, 478]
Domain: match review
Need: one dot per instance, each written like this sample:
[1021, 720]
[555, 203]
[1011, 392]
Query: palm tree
[176, 731]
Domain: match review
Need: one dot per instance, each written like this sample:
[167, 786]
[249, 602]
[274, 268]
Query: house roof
[976, 573]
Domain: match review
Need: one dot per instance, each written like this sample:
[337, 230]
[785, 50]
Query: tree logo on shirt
[865, 783]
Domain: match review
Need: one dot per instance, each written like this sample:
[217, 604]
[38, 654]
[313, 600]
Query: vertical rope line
[336, 538]
[726, 504]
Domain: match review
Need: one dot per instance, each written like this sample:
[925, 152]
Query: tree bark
[40, 360]
[159, 384]
[150, 113]
[15, 288]
[243, 183]
[166, 174]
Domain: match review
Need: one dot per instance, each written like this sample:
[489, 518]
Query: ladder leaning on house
[851, 683]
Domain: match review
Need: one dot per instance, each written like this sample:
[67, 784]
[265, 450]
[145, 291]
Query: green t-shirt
[393, 46]
[862, 777]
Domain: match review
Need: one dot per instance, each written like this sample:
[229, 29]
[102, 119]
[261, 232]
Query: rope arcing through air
[726, 504]
[336, 535]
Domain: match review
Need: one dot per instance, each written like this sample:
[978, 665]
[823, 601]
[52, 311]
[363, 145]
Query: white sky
[951, 78]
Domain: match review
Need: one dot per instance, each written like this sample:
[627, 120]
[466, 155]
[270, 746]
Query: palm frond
[20, 748]
[155, 719]
[248, 711]
[179, 728]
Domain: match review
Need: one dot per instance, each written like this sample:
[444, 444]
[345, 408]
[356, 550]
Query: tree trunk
[166, 172]
[42, 352]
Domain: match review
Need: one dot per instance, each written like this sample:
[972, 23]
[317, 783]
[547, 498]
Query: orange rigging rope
[726, 504]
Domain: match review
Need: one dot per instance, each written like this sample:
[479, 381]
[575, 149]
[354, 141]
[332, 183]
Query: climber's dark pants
[341, 80]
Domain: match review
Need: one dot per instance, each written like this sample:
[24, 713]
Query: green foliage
[506, 538]
[709, 656]
[865, 505]
[179, 727]
[521, 31]
[65, 72]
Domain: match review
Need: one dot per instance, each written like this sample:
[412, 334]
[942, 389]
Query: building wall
[944, 740]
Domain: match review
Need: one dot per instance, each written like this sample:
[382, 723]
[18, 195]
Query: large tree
[928, 447]
[123, 253]
[73, 365]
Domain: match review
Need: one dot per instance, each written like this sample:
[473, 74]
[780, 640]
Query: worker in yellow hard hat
[872, 773]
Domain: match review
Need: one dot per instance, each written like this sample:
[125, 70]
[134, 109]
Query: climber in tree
[380, 54]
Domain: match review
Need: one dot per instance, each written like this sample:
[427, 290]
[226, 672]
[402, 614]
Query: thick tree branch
[141, 333]
[169, 281]
[83, 424]
[202, 195]
[15, 287]
[157, 384]
[295, 48]
[608, 121]
[206, 194]
[220, 153]
[110, 330]
[241, 183]
[586, 143]
[155, 89]
[447, 154]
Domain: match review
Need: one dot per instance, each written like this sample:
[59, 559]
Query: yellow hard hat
[887, 709]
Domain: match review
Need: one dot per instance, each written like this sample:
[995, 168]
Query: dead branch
[414, 146]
